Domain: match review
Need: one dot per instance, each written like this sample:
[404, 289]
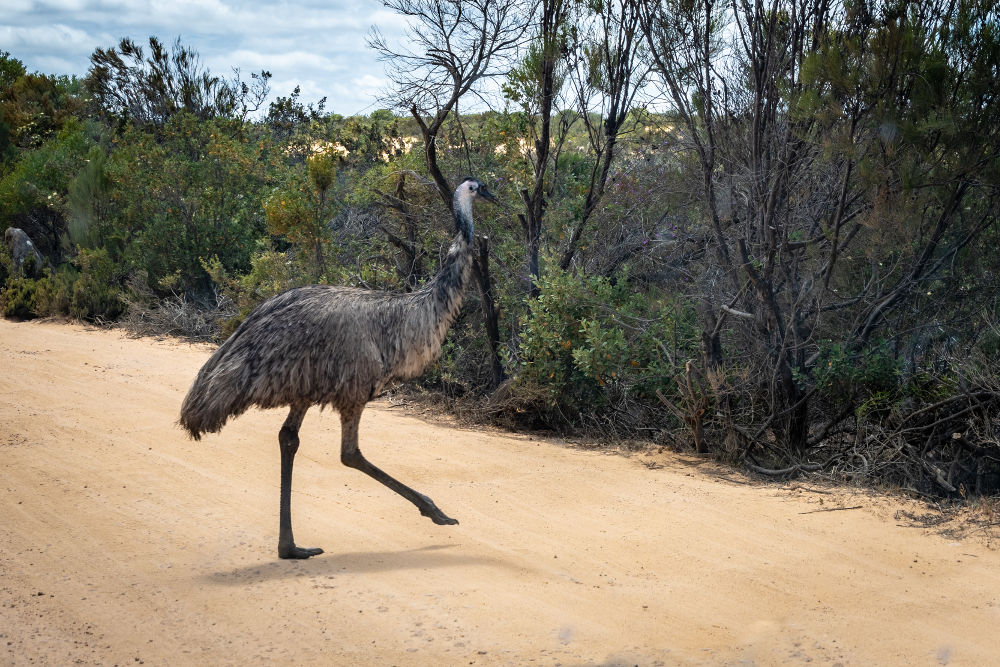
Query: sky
[319, 46]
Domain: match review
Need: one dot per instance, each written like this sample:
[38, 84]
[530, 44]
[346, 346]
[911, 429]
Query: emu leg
[288, 437]
[351, 457]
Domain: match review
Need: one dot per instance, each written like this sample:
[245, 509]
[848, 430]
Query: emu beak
[487, 195]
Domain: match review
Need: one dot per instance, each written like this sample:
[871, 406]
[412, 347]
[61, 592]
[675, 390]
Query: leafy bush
[97, 294]
[844, 377]
[589, 345]
[6, 264]
[18, 298]
[91, 293]
[33, 192]
[193, 194]
[54, 294]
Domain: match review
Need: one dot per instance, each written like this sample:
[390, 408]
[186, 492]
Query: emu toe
[298, 552]
[438, 517]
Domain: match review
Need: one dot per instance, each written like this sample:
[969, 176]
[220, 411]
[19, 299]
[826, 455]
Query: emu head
[469, 191]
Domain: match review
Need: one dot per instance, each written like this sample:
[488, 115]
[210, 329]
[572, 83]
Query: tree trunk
[491, 315]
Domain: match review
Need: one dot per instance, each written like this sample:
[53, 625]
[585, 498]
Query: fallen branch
[798, 467]
[833, 509]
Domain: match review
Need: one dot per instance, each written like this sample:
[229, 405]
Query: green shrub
[18, 298]
[870, 378]
[588, 344]
[190, 194]
[36, 184]
[96, 294]
[30, 266]
[6, 264]
[54, 294]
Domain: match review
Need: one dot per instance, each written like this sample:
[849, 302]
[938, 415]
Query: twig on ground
[833, 509]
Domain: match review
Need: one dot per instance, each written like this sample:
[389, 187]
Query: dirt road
[124, 542]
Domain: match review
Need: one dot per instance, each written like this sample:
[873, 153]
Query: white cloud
[369, 81]
[54, 64]
[63, 5]
[319, 45]
[388, 22]
[13, 7]
[55, 37]
[291, 61]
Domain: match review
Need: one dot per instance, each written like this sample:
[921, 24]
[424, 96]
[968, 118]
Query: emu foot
[437, 516]
[298, 552]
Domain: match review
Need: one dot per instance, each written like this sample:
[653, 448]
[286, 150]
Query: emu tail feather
[212, 400]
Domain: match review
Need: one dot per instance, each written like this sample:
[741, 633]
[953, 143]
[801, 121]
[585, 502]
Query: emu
[338, 347]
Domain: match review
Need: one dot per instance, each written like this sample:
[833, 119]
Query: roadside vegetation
[765, 234]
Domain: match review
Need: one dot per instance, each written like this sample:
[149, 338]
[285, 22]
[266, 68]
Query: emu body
[336, 346]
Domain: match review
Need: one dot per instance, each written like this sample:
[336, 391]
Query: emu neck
[462, 206]
[448, 286]
[423, 328]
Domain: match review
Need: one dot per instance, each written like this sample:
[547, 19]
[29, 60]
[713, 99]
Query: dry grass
[177, 316]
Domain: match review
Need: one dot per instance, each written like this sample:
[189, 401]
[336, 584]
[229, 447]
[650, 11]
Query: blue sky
[319, 46]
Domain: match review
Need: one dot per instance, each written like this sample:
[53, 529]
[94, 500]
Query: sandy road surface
[123, 542]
